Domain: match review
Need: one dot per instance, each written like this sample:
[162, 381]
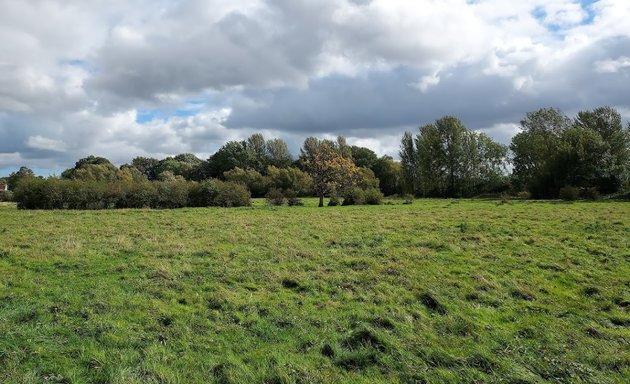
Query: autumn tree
[330, 165]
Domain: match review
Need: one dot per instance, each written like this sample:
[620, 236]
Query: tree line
[254, 167]
[552, 155]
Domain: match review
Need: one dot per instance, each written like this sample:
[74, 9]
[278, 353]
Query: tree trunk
[321, 200]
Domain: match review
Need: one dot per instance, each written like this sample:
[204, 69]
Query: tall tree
[551, 151]
[614, 169]
[256, 149]
[409, 161]
[231, 155]
[534, 149]
[447, 159]
[278, 154]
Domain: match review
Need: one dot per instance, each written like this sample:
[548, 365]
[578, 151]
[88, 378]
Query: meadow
[440, 291]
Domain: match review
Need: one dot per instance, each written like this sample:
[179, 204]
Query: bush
[52, 193]
[591, 193]
[231, 194]
[292, 198]
[6, 196]
[524, 195]
[334, 201]
[354, 196]
[171, 194]
[201, 194]
[275, 197]
[407, 199]
[569, 193]
[31, 194]
[138, 195]
[373, 196]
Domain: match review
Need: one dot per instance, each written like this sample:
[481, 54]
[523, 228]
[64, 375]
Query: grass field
[441, 291]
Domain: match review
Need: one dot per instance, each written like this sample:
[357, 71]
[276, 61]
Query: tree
[330, 170]
[21, 174]
[363, 157]
[278, 154]
[552, 152]
[451, 134]
[580, 159]
[409, 162]
[534, 149]
[252, 179]
[92, 168]
[292, 179]
[256, 149]
[447, 159]
[390, 175]
[614, 167]
[146, 165]
[231, 155]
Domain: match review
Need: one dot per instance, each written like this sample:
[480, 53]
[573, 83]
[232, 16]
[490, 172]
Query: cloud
[612, 66]
[46, 144]
[124, 78]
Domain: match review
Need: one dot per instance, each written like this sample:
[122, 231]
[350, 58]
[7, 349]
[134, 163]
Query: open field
[441, 291]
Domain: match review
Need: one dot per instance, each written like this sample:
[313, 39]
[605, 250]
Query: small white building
[4, 186]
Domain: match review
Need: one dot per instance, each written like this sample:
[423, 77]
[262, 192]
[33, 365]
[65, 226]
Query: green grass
[441, 291]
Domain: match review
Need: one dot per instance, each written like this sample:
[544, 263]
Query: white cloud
[612, 66]
[46, 144]
[427, 82]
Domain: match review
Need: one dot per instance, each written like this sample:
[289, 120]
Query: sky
[127, 78]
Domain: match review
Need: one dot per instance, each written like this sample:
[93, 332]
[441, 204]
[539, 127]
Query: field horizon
[439, 291]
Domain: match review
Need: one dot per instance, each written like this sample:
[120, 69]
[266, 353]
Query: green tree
[390, 175]
[614, 164]
[409, 162]
[21, 174]
[231, 155]
[447, 159]
[534, 150]
[256, 149]
[252, 179]
[363, 157]
[146, 165]
[93, 168]
[290, 178]
[278, 154]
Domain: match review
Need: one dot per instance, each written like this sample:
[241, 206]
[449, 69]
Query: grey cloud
[287, 68]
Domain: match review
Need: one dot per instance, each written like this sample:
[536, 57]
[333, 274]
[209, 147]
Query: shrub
[253, 180]
[373, 196]
[138, 195]
[569, 193]
[172, 193]
[354, 196]
[407, 199]
[201, 194]
[231, 194]
[292, 198]
[31, 194]
[275, 197]
[334, 201]
[591, 193]
[6, 196]
[525, 195]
